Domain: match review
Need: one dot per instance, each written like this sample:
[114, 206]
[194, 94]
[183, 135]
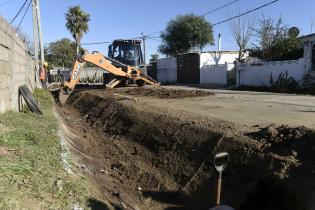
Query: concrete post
[308, 57]
[42, 58]
[35, 38]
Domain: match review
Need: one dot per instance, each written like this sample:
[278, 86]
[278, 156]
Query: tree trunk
[240, 54]
[78, 48]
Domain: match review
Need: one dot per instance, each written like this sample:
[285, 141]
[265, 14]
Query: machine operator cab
[127, 52]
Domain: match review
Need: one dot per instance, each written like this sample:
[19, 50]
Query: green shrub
[284, 83]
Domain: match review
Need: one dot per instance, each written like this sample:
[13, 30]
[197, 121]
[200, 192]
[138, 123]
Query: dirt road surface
[244, 107]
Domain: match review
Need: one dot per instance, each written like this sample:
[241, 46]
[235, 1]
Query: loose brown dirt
[145, 157]
[163, 92]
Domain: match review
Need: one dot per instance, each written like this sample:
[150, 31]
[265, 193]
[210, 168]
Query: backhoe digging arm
[75, 75]
[110, 65]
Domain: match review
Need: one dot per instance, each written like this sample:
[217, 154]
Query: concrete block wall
[215, 74]
[16, 67]
[259, 74]
[167, 70]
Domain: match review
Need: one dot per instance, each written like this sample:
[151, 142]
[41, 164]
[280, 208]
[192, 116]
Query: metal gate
[188, 68]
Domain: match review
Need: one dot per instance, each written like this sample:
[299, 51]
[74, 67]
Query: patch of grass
[29, 176]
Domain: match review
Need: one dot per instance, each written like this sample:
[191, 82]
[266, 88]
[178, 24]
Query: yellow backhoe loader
[124, 63]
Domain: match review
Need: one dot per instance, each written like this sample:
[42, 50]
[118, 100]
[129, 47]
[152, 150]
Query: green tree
[61, 53]
[77, 23]
[186, 33]
[154, 58]
[277, 41]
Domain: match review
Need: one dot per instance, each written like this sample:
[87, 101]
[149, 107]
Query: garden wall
[215, 74]
[260, 74]
[16, 67]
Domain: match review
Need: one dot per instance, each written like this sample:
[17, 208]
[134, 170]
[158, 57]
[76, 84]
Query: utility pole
[312, 24]
[42, 58]
[144, 37]
[35, 38]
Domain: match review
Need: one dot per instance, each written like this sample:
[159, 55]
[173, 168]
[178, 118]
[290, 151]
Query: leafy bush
[277, 42]
[284, 83]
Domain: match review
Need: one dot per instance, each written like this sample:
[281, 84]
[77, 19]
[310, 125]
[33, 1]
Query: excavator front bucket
[149, 80]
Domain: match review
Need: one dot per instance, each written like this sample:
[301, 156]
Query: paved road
[244, 107]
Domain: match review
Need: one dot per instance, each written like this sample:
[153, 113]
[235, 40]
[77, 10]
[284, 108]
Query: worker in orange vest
[43, 74]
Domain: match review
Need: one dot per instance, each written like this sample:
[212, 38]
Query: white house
[215, 58]
[197, 68]
[260, 73]
[309, 56]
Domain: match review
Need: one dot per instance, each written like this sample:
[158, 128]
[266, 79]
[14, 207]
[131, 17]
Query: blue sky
[112, 19]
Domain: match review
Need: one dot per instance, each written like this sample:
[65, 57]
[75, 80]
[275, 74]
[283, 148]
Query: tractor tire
[29, 99]
[123, 83]
[21, 102]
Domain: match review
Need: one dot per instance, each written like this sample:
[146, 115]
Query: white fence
[215, 74]
[167, 70]
[260, 74]
[85, 74]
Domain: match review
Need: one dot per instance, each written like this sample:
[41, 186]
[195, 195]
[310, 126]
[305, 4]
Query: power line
[218, 23]
[154, 33]
[92, 43]
[7, 2]
[106, 42]
[221, 7]
[242, 14]
[154, 39]
[96, 43]
[24, 15]
[245, 13]
[17, 14]
[207, 13]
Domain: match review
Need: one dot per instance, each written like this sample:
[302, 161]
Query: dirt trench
[155, 159]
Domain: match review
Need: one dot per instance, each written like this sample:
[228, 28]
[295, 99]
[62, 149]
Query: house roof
[224, 51]
[214, 51]
[308, 38]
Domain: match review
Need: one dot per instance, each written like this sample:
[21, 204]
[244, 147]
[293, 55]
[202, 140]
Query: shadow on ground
[97, 205]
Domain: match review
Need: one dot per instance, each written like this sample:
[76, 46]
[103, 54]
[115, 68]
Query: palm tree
[77, 23]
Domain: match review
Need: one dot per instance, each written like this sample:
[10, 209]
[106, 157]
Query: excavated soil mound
[166, 93]
[270, 168]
